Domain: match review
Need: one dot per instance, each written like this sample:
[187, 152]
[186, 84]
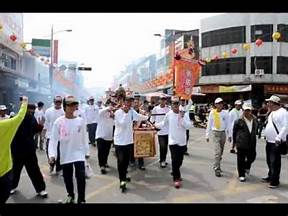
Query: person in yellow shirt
[8, 129]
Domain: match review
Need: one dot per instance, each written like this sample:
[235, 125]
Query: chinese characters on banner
[186, 75]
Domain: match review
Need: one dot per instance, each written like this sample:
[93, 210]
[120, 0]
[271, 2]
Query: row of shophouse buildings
[24, 73]
[236, 64]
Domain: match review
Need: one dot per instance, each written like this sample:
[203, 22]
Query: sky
[107, 41]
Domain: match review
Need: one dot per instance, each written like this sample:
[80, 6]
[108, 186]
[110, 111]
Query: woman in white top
[178, 122]
[70, 131]
[104, 135]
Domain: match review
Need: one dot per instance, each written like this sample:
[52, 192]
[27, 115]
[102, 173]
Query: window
[283, 29]
[224, 36]
[264, 32]
[225, 67]
[261, 62]
[282, 63]
[9, 61]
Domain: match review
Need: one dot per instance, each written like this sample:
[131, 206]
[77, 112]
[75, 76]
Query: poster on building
[186, 75]
[12, 24]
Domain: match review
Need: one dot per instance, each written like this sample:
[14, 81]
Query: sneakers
[273, 186]
[43, 194]
[142, 168]
[68, 200]
[177, 184]
[13, 191]
[128, 179]
[123, 186]
[163, 164]
[218, 173]
[266, 179]
[103, 171]
[242, 179]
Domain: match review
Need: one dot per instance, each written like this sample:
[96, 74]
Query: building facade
[249, 71]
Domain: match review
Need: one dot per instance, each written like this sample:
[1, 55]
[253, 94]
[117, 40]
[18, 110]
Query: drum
[144, 142]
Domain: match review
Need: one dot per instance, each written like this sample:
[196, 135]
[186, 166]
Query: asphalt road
[154, 185]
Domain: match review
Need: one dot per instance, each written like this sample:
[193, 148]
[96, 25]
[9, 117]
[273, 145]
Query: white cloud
[107, 41]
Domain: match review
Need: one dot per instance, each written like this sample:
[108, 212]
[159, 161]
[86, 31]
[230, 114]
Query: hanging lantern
[246, 46]
[276, 36]
[234, 51]
[208, 60]
[23, 45]
[225, 54]
[259, 42]
[13, 37]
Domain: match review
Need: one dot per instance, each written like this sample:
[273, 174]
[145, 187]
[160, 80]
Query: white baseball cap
[247, 106]
[91, 98]
[218, 100]
[238, 102]
[274, 99]
[3, 107]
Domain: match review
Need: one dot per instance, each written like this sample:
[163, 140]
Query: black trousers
[80, 179]
[177, 154]
[31, 164]
[245, 157]
[273, 159]
[187, 139]
[92, 132]
[260, 128]
[132, 158]
[163, 146]
[103, 147]
[5, 187]
[57, 163]
[123, 155]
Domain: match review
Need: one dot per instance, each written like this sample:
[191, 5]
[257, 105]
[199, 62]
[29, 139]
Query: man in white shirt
[178, 122]
[70, 131]
[40, 117]
[275, 131]
[104, 135]
[51, 115]
[244, 136]
[158, 114]
[92, 112]
[186, 108]
[218, 123]
[234, 114]
[123, 138]
[3, 110]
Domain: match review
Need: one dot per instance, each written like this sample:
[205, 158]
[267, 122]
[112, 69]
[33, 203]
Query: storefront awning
[225, 89]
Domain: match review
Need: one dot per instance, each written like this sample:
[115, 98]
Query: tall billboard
[12, 24]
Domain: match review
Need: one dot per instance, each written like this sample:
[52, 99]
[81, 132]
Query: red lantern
[234, 51]
[258, 42]
[13, 37]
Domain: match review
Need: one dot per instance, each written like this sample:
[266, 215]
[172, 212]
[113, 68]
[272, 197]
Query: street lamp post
[51, 54]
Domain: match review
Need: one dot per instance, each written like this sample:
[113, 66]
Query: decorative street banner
[186, 75]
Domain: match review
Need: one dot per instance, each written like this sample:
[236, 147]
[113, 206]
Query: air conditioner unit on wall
[259, 72]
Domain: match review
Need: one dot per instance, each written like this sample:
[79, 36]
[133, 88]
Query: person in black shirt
[262, 114]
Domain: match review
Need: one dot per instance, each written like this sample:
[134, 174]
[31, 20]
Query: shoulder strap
[274, 124]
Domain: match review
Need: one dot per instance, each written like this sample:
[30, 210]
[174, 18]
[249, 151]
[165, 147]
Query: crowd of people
[65, 131]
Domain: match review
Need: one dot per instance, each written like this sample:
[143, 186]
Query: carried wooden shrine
[144, 140]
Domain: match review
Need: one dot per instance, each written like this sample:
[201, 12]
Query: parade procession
[207, 121]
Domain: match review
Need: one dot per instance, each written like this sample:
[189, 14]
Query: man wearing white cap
[244, 137]
[275, 131]
[3, 110]
[92, 113]
[234, 114]
[218, 123]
